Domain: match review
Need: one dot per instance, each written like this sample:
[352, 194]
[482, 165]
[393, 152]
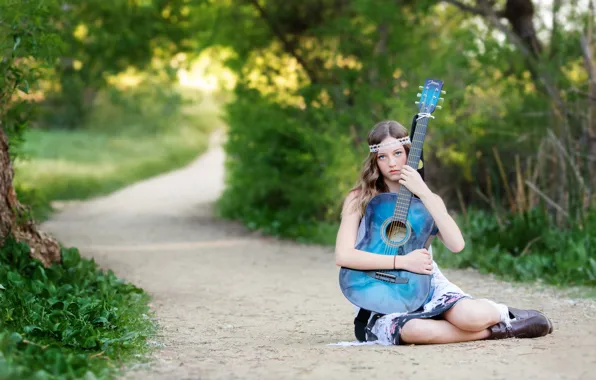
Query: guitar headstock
[430, 96]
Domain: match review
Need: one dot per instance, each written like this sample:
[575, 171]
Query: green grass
[68, 165]
[68, 321]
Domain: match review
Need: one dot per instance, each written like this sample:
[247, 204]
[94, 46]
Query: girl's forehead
[391, 149]
[389, 144]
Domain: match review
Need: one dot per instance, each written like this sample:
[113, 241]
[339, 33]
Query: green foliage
[281, 174]
[323, 67]
[530, 247]
[70, 320]
[296, 136]
[152, 107]
[28, 45]
[108, 37]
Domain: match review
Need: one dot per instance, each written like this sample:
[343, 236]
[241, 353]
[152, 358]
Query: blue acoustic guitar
[396, 223]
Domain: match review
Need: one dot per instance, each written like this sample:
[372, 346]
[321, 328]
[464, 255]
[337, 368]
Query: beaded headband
[401, 141]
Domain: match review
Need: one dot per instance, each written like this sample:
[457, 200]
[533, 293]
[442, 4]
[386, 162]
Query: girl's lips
[393, 171]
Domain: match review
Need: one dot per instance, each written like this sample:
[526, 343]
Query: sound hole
[396, 232]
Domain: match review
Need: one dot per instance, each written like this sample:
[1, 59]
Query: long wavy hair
[371, 180]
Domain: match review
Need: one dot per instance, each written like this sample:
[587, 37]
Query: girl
[449, 315]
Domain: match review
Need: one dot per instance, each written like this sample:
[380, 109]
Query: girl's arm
[449, 232]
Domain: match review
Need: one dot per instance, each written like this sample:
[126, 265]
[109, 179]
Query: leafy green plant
[282, 175]
[29, 43]
[67, 320]
[529, 247]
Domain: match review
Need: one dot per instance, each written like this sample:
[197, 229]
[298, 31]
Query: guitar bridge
[388, 277]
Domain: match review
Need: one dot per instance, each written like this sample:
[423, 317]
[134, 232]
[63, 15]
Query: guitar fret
[404, 196]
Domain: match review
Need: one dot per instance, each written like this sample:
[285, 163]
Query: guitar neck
[404, 196]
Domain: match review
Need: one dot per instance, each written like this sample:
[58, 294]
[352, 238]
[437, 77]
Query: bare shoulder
[350, 206]
[352, 195]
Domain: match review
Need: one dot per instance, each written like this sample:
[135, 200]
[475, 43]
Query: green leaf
[90, 342]
[17, 42]
[25, 86]
[41, 375]
[89, 376]
[16, 338]
[70, 257]
[14, 278]
[32, 328]
[100, 320]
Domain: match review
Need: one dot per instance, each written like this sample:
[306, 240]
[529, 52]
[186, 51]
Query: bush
[529, 247]
[67, 320]
[283, 171]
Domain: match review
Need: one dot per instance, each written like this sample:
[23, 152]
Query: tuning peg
[439, 107]
[441, 100]
[416, 102]
[418, 94]
[443, 92]
[421, 87]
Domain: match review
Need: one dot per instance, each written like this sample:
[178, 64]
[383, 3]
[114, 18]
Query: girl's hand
[412, 180]
[417, 261]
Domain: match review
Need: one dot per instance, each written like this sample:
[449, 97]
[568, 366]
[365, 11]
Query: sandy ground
[235, 305]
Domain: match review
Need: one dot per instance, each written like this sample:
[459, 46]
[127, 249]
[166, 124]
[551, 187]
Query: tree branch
[531, 58]
[555, 29]
[467, 8]
[288, 45]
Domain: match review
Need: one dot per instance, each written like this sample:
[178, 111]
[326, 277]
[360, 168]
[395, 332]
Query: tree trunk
[520, 14]
[13, 216]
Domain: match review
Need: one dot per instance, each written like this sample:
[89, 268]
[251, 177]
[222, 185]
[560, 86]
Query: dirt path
[235, 305]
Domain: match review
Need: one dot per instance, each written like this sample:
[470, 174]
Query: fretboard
[404, 196]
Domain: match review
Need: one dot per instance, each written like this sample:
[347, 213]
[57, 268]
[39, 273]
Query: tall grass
[541, 212]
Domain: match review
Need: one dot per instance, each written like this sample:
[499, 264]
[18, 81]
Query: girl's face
[391, 159]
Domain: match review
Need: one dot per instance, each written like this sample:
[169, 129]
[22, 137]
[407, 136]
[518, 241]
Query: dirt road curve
[235, 305]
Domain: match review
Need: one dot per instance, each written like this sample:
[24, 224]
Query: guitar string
[403, 206]
[399, 210]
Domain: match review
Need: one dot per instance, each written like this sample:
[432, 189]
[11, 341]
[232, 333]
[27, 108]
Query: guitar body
[390, 291]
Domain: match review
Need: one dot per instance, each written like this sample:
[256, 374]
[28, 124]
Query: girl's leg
[476, 314]
[430, 331]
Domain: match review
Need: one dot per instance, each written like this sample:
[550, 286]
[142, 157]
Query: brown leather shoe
[531, 327]
[520, 314]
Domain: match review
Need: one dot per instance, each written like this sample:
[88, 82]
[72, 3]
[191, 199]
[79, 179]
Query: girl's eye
[398, 153]
[381, 157]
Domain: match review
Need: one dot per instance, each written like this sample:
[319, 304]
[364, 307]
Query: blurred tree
[339, 66]
[27, 44]
[107, 37]
[568, 182]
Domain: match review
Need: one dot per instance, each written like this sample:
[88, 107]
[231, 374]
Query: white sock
[503, 311]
